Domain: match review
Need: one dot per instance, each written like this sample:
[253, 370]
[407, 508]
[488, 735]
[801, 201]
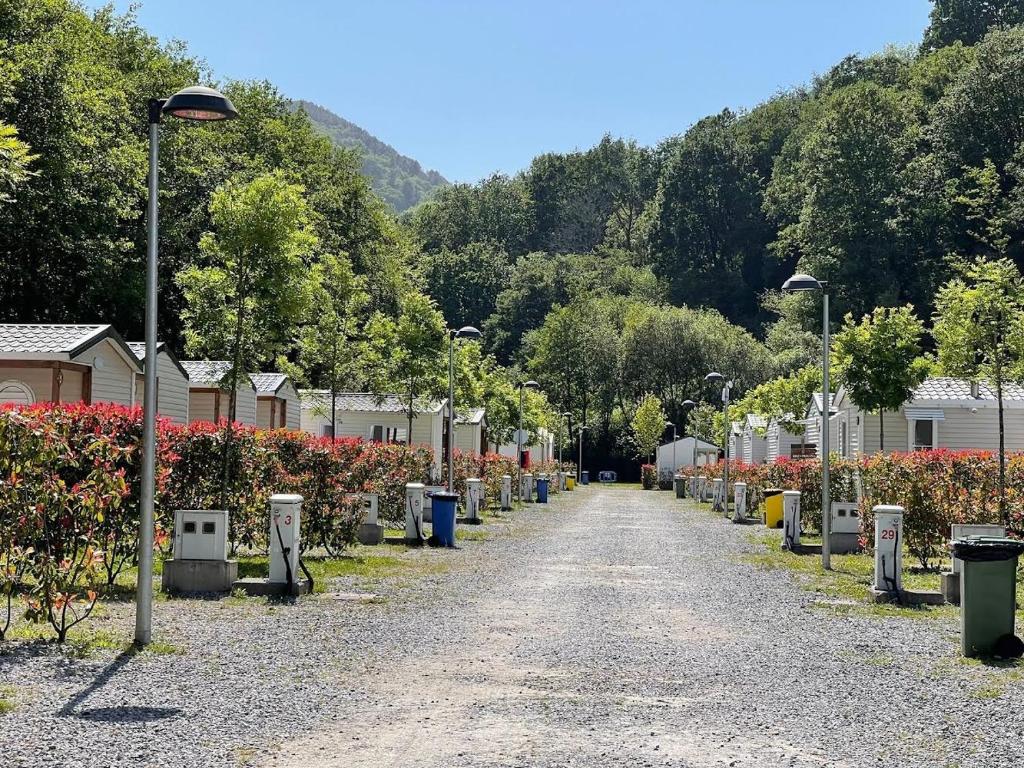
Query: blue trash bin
[542, 490]
[443, 513]
[585, 477]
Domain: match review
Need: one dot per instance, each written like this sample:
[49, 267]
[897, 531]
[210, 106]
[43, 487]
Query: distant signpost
[607, 476]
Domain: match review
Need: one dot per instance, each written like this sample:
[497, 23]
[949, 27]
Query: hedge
[935, 488]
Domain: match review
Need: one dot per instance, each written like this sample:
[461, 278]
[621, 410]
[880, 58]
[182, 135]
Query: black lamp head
[198, 102]
[801, 282]
[468, 332]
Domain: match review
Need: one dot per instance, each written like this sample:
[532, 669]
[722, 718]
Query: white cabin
[944, 412]
[65, 364]
[471, 431]
[208, 398]
[735, 439]
[812, 421]
[781, 442]
[378, 418]
[277, 401]
[753, 444]
[684, 452]
[171, 382]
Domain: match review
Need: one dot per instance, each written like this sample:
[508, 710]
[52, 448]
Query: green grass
[6, 699]
[359, 564]
[470, 534]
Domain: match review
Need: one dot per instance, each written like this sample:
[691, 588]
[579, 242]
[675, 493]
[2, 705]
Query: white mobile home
[471, 431]
[171, 382]
[542, 448]
[208, 398]
[277, 401]
[65, 364]
[782, 442]
[812, 421]
[735, 439]
[379, 418]
[753, 445]
[944, 412]
[687, 451]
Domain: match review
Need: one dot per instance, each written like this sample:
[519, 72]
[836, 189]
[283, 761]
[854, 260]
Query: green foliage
[648, 425]
[879, 359]
[967, 21]
[705, 422]
[784, 398]
[466, 282]
[14, 161]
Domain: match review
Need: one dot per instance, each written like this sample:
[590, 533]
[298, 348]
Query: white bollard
[527, 489]
[285, 510]
[716, 495]
[474, 495]
[693, 487]
[506, 493]
[563, 479]
[414, 512]
[888, 548]
[739, 495]
[790, 519]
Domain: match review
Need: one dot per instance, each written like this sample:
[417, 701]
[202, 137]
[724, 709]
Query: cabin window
[383, 434]
[327, 430]
[16, 392]
[924, 435]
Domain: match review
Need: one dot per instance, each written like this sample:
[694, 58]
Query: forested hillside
[400, 180]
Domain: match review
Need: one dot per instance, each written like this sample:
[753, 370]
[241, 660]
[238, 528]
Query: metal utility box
[526, 487]
[888, 548]
[474, 499]
[285, 511]
[844, 534]
[716, 495]
[506, 493]
[370, 530]
[739, 495]
[201, 534]
[414, 513]
[790, 519]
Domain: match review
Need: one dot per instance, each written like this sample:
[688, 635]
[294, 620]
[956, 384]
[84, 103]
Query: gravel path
[618, 628]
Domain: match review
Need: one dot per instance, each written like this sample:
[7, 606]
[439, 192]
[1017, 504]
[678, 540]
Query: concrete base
[949, 584]
[844, 543]
[198, 575]
[266, 588]
[370, 533]
[908, 597]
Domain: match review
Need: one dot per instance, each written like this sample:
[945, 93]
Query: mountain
[400, 180]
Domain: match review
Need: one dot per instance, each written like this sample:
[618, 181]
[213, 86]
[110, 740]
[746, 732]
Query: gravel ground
[618, 628]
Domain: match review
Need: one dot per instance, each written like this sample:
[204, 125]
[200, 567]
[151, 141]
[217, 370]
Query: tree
[246, 306]
[408, 354]
[879, 360]
[783, 399]
[648, 425]
[14, 161]
[466, 282]
[979, 329]
[706, 423]
[326, 342]
[967, 21]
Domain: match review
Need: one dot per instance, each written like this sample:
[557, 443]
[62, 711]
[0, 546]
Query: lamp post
[195, 103]
[796, 284]
[689, 405]
[579, 467]
[675, 468]
[531, 384]
[465, 332]
[716, 378]
[565, 416]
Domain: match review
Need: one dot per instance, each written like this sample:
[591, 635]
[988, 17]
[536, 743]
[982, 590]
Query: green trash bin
[988, 591]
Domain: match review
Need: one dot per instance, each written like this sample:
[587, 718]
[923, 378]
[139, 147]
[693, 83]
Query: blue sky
[469, 87]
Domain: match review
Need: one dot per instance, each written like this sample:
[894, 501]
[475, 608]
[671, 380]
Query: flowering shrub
[489, 467]
[648, 476]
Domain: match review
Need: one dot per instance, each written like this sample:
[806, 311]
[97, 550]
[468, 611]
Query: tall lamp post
[195, 103]
[579, 467]
[675, 436]
[716, 378]
[465, 332]
[689, 405]
[531, 384]
[796, 284]
[565, 416]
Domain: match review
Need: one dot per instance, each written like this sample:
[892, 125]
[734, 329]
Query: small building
[471, 431]
[753, 444]
[277, 401]
[378, 418]
[65, 364]
[541, 448]
[735, 440]
[688, 452]
[944, 412]
[208, 398]
[782, 440]
[171, 382]
[812, 421]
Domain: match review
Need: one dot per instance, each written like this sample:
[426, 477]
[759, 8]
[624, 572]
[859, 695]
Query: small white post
[527, 489]
[506, 493]
[790, 519]
[888, 548]
[285, 510]
[414, 512]
[740, 497]
[716, 494]
[474, 494]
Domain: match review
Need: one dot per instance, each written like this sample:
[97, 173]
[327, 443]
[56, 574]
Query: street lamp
[797, 284]
[465, 332]
[565, 415]
[579, 467]
[689, 405]
[674, 438]
[716, 378]
[531, 384]
[195, 103]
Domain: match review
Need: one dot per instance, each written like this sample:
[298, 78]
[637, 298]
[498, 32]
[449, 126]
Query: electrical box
[285, 510]
[739, 495]
[201, 534]
[506, 492]
[526, 489]
[790, 519]
[888, 548]
[370, 531]
[962, 531]
[474, 498]
[414, 512]
[716, 495]
[844, 530]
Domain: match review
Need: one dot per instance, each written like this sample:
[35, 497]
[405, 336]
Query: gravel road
[617, 628]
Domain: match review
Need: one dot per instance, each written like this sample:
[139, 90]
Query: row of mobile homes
[277, 401]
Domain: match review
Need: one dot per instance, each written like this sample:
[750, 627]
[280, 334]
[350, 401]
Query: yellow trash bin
[570, 483]
[773, 507]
